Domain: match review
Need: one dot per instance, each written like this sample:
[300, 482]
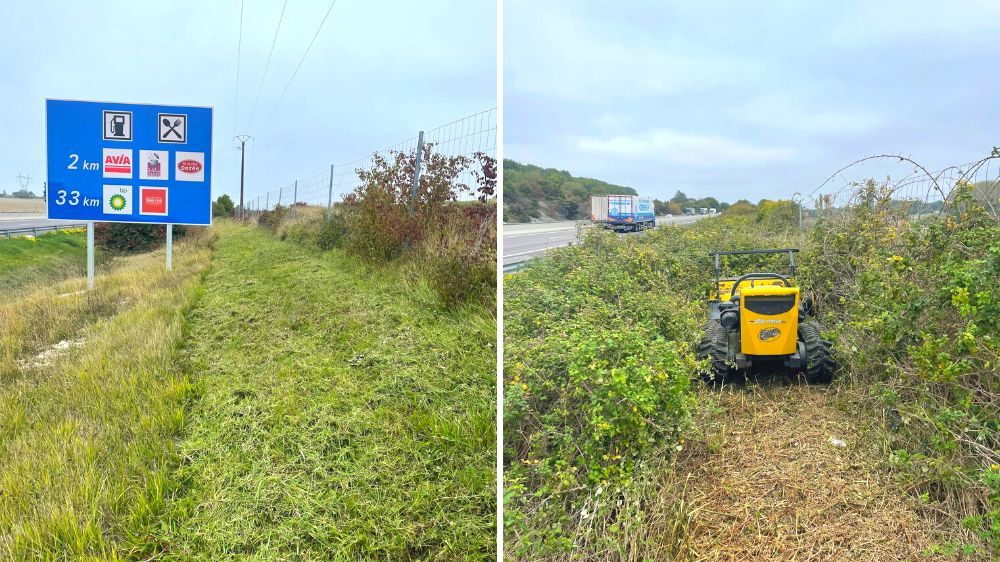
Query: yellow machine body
[769, 318]
[726, 286]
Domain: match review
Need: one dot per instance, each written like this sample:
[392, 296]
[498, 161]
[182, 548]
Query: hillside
[532, 192]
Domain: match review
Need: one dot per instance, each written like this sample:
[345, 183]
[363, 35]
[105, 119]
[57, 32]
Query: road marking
[536, 251]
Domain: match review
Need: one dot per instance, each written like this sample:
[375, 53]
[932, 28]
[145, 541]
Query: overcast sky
[378, 73]
[747, 99]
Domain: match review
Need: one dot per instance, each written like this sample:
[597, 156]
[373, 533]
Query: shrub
[459, 255]
[914, 307]
[379, 223]
[597, 369]
[129, 238]
[332, 232]
[273, 219]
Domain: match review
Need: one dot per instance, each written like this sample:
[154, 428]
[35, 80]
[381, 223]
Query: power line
[302, 60]
[267, 64]
[239, 50]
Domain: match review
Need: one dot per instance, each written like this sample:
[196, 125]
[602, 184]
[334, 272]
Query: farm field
[18, 205]
[615, 450]
[263, 401]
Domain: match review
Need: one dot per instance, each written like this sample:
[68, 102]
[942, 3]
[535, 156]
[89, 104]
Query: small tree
[223, 206]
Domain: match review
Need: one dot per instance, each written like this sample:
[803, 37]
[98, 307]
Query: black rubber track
[819, 365]
[715, 346]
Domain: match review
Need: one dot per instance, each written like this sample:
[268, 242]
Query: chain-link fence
[467, 137]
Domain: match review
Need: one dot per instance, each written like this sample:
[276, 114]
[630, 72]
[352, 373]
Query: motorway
[27, 220]
[525, 241]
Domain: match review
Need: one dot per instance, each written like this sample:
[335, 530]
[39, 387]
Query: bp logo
[117, 199]
[117, 202]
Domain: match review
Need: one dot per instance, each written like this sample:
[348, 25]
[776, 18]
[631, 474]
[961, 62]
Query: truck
[689, 211]
[703, 210]
[622, 213]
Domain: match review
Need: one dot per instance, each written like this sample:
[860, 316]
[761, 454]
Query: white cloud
[683, 148]
[551, 51]
[782, 111]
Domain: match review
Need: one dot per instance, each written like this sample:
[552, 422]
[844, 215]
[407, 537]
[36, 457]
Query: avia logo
[118, 163]
[189, 166]
[768, 321]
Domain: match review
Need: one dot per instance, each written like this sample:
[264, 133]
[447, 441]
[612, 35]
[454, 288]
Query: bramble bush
[914, 307]
[451, 242]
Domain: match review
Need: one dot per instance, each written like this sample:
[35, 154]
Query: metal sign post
[170, 247]
[90, 255]
[132, 163]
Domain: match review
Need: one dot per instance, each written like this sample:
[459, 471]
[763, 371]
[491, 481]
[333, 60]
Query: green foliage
[914, 307]
[223, 206]
[529, 191]
[459, 256]
[130, 238]
[332, 232]
[598, 363]
[274, 218]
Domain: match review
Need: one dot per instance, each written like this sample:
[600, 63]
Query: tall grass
[86, 433]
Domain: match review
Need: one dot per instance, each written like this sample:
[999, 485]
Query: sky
[748, 99]
[377, 73]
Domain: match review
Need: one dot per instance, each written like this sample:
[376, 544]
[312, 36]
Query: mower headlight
[768, 334]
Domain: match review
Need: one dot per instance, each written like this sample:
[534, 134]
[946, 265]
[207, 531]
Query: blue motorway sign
[121, 162]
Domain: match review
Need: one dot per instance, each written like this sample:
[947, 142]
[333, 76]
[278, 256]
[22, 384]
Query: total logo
[152, 201]
[118, 163]
[190, 166]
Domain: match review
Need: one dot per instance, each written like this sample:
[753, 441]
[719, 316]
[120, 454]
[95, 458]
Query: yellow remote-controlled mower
[760, 321]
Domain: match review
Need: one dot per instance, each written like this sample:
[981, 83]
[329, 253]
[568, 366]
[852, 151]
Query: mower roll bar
[791, 263]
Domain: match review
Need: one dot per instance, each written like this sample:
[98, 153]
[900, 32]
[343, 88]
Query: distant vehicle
[703, 211]
[622, 213]
[712, 211]
[689, 211]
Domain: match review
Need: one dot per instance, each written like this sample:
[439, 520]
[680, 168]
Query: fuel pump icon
[117, 125]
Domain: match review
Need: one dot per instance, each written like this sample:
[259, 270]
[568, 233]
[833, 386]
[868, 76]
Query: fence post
[329, 196]
[295, 197]
[281, 191]
[416, 172]
[267, 201]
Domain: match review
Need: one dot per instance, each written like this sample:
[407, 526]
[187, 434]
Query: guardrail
[34, 230]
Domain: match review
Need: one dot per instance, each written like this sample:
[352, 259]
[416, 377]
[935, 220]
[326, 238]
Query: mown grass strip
[87, 434]
[342, 414]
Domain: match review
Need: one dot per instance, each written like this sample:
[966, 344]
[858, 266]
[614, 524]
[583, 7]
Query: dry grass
[764, 482]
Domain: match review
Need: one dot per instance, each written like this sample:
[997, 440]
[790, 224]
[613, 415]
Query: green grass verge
[341, 414]
[27, 261]
[87, 433]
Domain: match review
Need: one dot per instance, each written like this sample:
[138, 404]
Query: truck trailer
[622, 213]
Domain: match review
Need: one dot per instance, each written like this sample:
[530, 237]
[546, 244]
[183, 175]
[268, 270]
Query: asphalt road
[27, 220]
[525, 241]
